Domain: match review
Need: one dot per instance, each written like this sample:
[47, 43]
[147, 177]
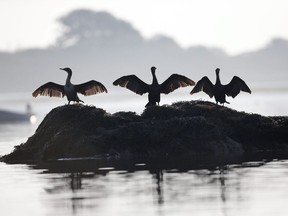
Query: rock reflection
[89, 186]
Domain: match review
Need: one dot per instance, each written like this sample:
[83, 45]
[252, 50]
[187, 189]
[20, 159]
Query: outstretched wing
[204, 85]
[175, 81]
[91, 87]
[132, 83]
[235, 86]
[50, 89]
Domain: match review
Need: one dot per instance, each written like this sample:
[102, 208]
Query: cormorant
[133, 83]
[70, 90]
[218, 90]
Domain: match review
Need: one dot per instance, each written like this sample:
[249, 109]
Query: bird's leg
[68, 102]
[78, 100]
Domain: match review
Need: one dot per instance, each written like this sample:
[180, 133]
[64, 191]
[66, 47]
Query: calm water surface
[243, 189]
[97, 188]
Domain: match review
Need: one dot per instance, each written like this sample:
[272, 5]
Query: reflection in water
[158, 176]
[77, 189]
[76, 181]
[222, 181]
[110, 188]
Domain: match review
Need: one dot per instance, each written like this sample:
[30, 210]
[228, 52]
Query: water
[248, 189]
[138, 188]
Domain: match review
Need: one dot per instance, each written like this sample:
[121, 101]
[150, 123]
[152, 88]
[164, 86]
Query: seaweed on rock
[183, 129]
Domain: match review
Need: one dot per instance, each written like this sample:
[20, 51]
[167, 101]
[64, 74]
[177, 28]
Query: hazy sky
[234, 25]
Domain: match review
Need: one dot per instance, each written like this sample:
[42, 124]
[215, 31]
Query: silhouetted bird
[218, 90]
[133, 83]
[70, 90]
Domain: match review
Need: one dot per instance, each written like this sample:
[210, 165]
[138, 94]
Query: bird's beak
[61, 68]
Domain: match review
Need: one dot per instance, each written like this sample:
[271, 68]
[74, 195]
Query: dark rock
[182, 130]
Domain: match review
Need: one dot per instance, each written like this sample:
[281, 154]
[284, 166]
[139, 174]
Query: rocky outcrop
[181, 130]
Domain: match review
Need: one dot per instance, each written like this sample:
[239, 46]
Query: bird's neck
[68, 79]
[218, 79]
[154, 80]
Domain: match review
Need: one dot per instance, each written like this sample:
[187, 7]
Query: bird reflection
[222, 183]
[76, 181]
[193, 185]
[158, 176]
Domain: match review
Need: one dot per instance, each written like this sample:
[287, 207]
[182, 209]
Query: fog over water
[96, 45]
